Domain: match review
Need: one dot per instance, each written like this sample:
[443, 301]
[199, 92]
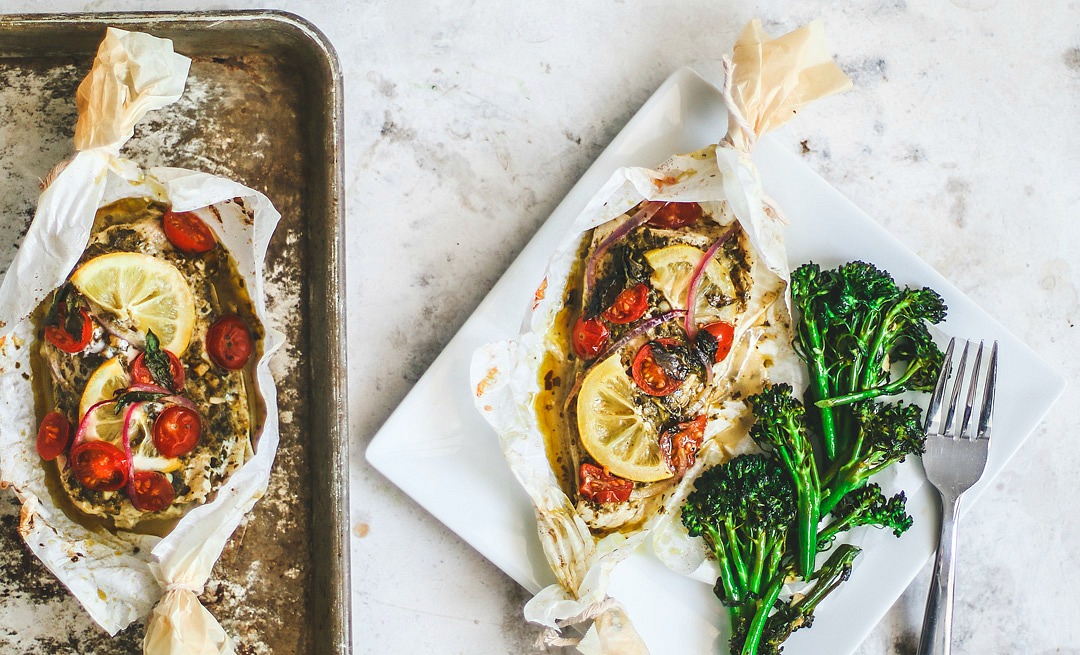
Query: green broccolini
[863, 338]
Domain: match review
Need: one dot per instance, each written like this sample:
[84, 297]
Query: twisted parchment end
[133, 73]
[180, 625]
[770, 79]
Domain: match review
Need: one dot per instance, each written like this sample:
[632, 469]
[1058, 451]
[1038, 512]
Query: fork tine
[972, 387]
[988, 396]
[933, 410]
[958, 383]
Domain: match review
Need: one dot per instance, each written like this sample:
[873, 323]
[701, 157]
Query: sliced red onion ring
[149, 388]
[647, 210]
[695, 280]
[129, 419]
[638, 330]
[88, 421]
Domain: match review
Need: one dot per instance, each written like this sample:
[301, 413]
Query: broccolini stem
[727, 580]
[876, 351]
[894, 387]
[761, 616]
[820, 380]
[736, 557]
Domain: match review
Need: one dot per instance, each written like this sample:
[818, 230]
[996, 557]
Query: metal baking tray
[263, 106]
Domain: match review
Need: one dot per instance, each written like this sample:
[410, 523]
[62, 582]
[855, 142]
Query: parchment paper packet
[767, 81]
[120, 576]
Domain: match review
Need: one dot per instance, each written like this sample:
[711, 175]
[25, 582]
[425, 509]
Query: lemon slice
[149, 293]
[613, 428]
[673, 267]
[105, 425]
[103, 384]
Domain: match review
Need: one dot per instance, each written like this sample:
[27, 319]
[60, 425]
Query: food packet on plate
[661, 310]
[102, 215]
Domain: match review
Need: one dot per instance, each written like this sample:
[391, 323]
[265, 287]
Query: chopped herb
[157, 362]
[131, 397]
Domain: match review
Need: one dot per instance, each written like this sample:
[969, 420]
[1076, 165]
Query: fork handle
[937, 622]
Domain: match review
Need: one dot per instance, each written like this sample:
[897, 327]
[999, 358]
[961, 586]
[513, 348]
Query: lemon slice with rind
[613, 428]
[103, 384]
[673, 268]
[145, 292]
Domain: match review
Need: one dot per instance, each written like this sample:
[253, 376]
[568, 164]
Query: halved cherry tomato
[229, 342]
[150, 491]
[680, 445]
[725, 337]
[53, 436]
[187, 232]
[58, 335]
[99, 465]
[600, 486]
[674, 215]
[629, 306]
[590, 336]
[650, 376]
[176, 431]
[140, 374]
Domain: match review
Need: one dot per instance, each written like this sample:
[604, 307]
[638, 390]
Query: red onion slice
[641, 328]
[88, 421]
[642, 216]
[695, 280]
[129, 419]
[149, 388]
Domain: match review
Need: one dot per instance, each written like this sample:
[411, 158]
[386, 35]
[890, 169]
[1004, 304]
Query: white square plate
[440, 451]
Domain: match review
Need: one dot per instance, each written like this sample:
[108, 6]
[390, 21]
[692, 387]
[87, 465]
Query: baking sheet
[263, 107]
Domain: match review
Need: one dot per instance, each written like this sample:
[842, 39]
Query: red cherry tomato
[590, 336]
[187, 232]
[58, 335]
[650, 376]
[674, 215]
[600, 486]
[99, 465]
[176, 431]
[140, 374]
[629, 306]
[725, 337]
[150, 491]
[53, 436]
[229, 342]
[679, 446]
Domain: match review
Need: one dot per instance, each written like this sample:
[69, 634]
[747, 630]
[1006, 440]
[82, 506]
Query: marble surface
[467, 122]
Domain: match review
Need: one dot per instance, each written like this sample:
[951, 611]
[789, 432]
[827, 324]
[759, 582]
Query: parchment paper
[768, 80]
[119, 577]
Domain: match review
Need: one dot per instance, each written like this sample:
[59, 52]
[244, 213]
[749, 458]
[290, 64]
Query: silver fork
[954, 460]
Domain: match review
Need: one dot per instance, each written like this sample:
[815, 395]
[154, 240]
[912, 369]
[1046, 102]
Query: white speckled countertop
[467, 122]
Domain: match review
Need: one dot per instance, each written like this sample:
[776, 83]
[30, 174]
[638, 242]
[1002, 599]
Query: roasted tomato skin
[674, 215]
[679, 445]
[188, 232]
[649, 376]
[99, 465]
[724, 333]
[590, 337]
[176, 431]
[150, 491]
[58, 335]
[228, 341]
[140, 374]
[630, 305]
[600, 486]
[53, 436]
